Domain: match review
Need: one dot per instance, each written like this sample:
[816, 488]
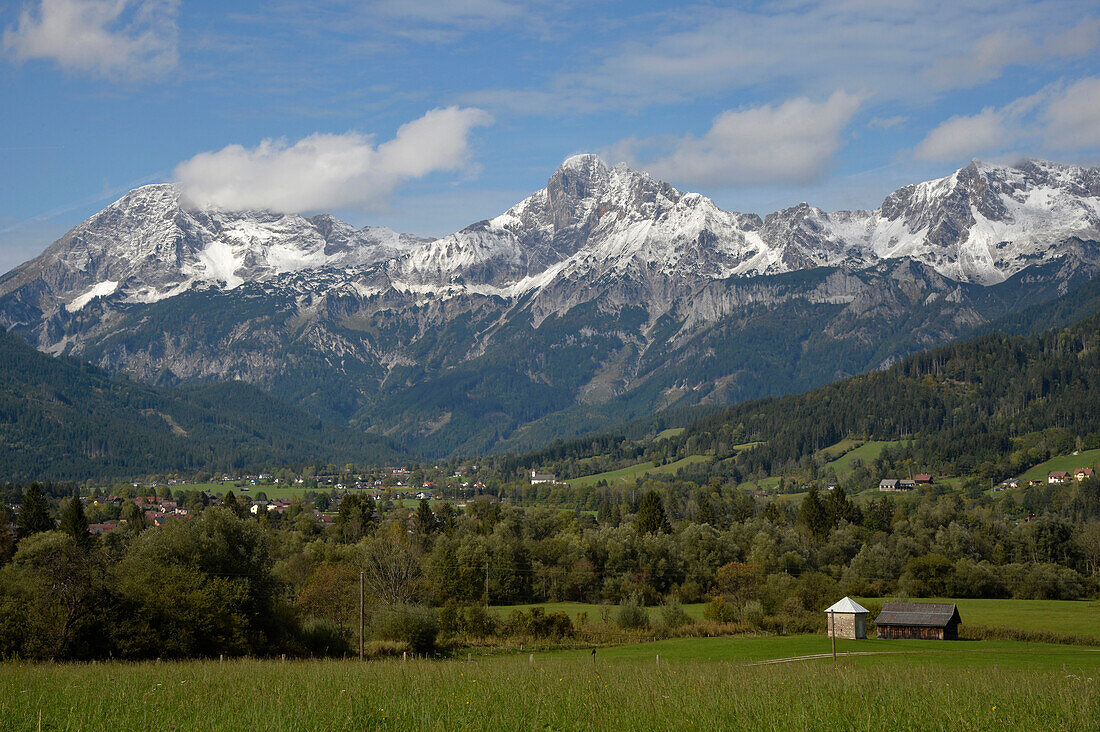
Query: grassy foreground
[628, 690]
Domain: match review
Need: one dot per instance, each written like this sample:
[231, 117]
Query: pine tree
[230, 501]
[813, 516]
[651, 517]
[603, 513]
[425, 519]
[34, 513]
[7, 541]
[75, 523]
[134, 517]
[706, 512]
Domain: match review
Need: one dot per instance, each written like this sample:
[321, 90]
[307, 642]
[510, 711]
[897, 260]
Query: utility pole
[832, 634]
[360, 616]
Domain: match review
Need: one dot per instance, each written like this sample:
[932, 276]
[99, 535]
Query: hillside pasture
[633, 472]
[1067, 463]
[866, 453]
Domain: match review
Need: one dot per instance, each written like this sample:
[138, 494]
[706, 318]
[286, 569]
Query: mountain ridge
[603, 297]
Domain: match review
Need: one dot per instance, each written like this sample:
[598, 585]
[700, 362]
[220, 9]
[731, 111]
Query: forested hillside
[61, 418]
[991, 407]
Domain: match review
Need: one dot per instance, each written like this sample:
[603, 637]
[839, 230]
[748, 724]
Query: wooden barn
[927, 620]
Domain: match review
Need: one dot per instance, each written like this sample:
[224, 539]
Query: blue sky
[427, 115]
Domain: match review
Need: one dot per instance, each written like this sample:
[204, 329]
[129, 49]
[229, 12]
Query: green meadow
[1063, 617]
[634, 472]
[707, 683]
[866, 452]
[1068, 463]
[1072, 617]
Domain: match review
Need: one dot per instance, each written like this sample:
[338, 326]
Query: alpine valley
[604, 297]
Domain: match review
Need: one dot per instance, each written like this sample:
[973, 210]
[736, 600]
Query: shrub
[478, 622]
[720, 611]
[473, 620]
[324, 637]
[536, 623]
[631, 613]
[753, 613]
[673, 615]
[417, 626]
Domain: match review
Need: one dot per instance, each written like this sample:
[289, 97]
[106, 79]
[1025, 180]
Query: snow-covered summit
[591, 225]
[150, 245]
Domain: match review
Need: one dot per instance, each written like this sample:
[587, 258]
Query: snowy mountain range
[605, 295]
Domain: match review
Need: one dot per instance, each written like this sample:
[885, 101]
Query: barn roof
[847, 605]
[926, 614]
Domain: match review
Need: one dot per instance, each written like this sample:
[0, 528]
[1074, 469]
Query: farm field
[832, 452]
[705, 683]
[220, 489]
[594, 611]
[1068, 463]
[866, 452]
[636, 471]
[1076, 617]
[952, 654]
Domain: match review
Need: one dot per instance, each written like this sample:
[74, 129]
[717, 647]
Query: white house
[847, 619]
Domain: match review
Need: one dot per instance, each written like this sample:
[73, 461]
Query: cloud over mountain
[325, 171]
[792, 141]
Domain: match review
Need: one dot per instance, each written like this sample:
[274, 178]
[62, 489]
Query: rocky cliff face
[603, 296]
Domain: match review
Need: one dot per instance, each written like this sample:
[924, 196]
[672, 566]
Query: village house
[1057, 477]
[537, 478]
[1082, 473]
[923, 479]
[923, 620]
[893, 484]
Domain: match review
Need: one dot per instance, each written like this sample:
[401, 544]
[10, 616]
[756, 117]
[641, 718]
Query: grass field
[703, 683]
[220, 489]
[866, 452]
[1068, 463]
[956, 654]
[634, 472]
[832, 452]
[670, 432]
[1074, 617]
[594, 611]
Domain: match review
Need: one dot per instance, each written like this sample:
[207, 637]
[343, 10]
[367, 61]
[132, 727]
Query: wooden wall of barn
[951, 632]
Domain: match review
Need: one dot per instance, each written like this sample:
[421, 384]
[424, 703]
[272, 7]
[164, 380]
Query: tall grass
[552, 693]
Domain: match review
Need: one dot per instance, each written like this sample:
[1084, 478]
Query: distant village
[173, 498]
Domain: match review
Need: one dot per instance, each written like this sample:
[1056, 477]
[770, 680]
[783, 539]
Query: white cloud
[450, 12]
[963, 136]
[326, 171]
[1058, 118]
[111, 38]
[791, 142]
[886, 123]
[987, 60]
[1073, 117]
[908, 49]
